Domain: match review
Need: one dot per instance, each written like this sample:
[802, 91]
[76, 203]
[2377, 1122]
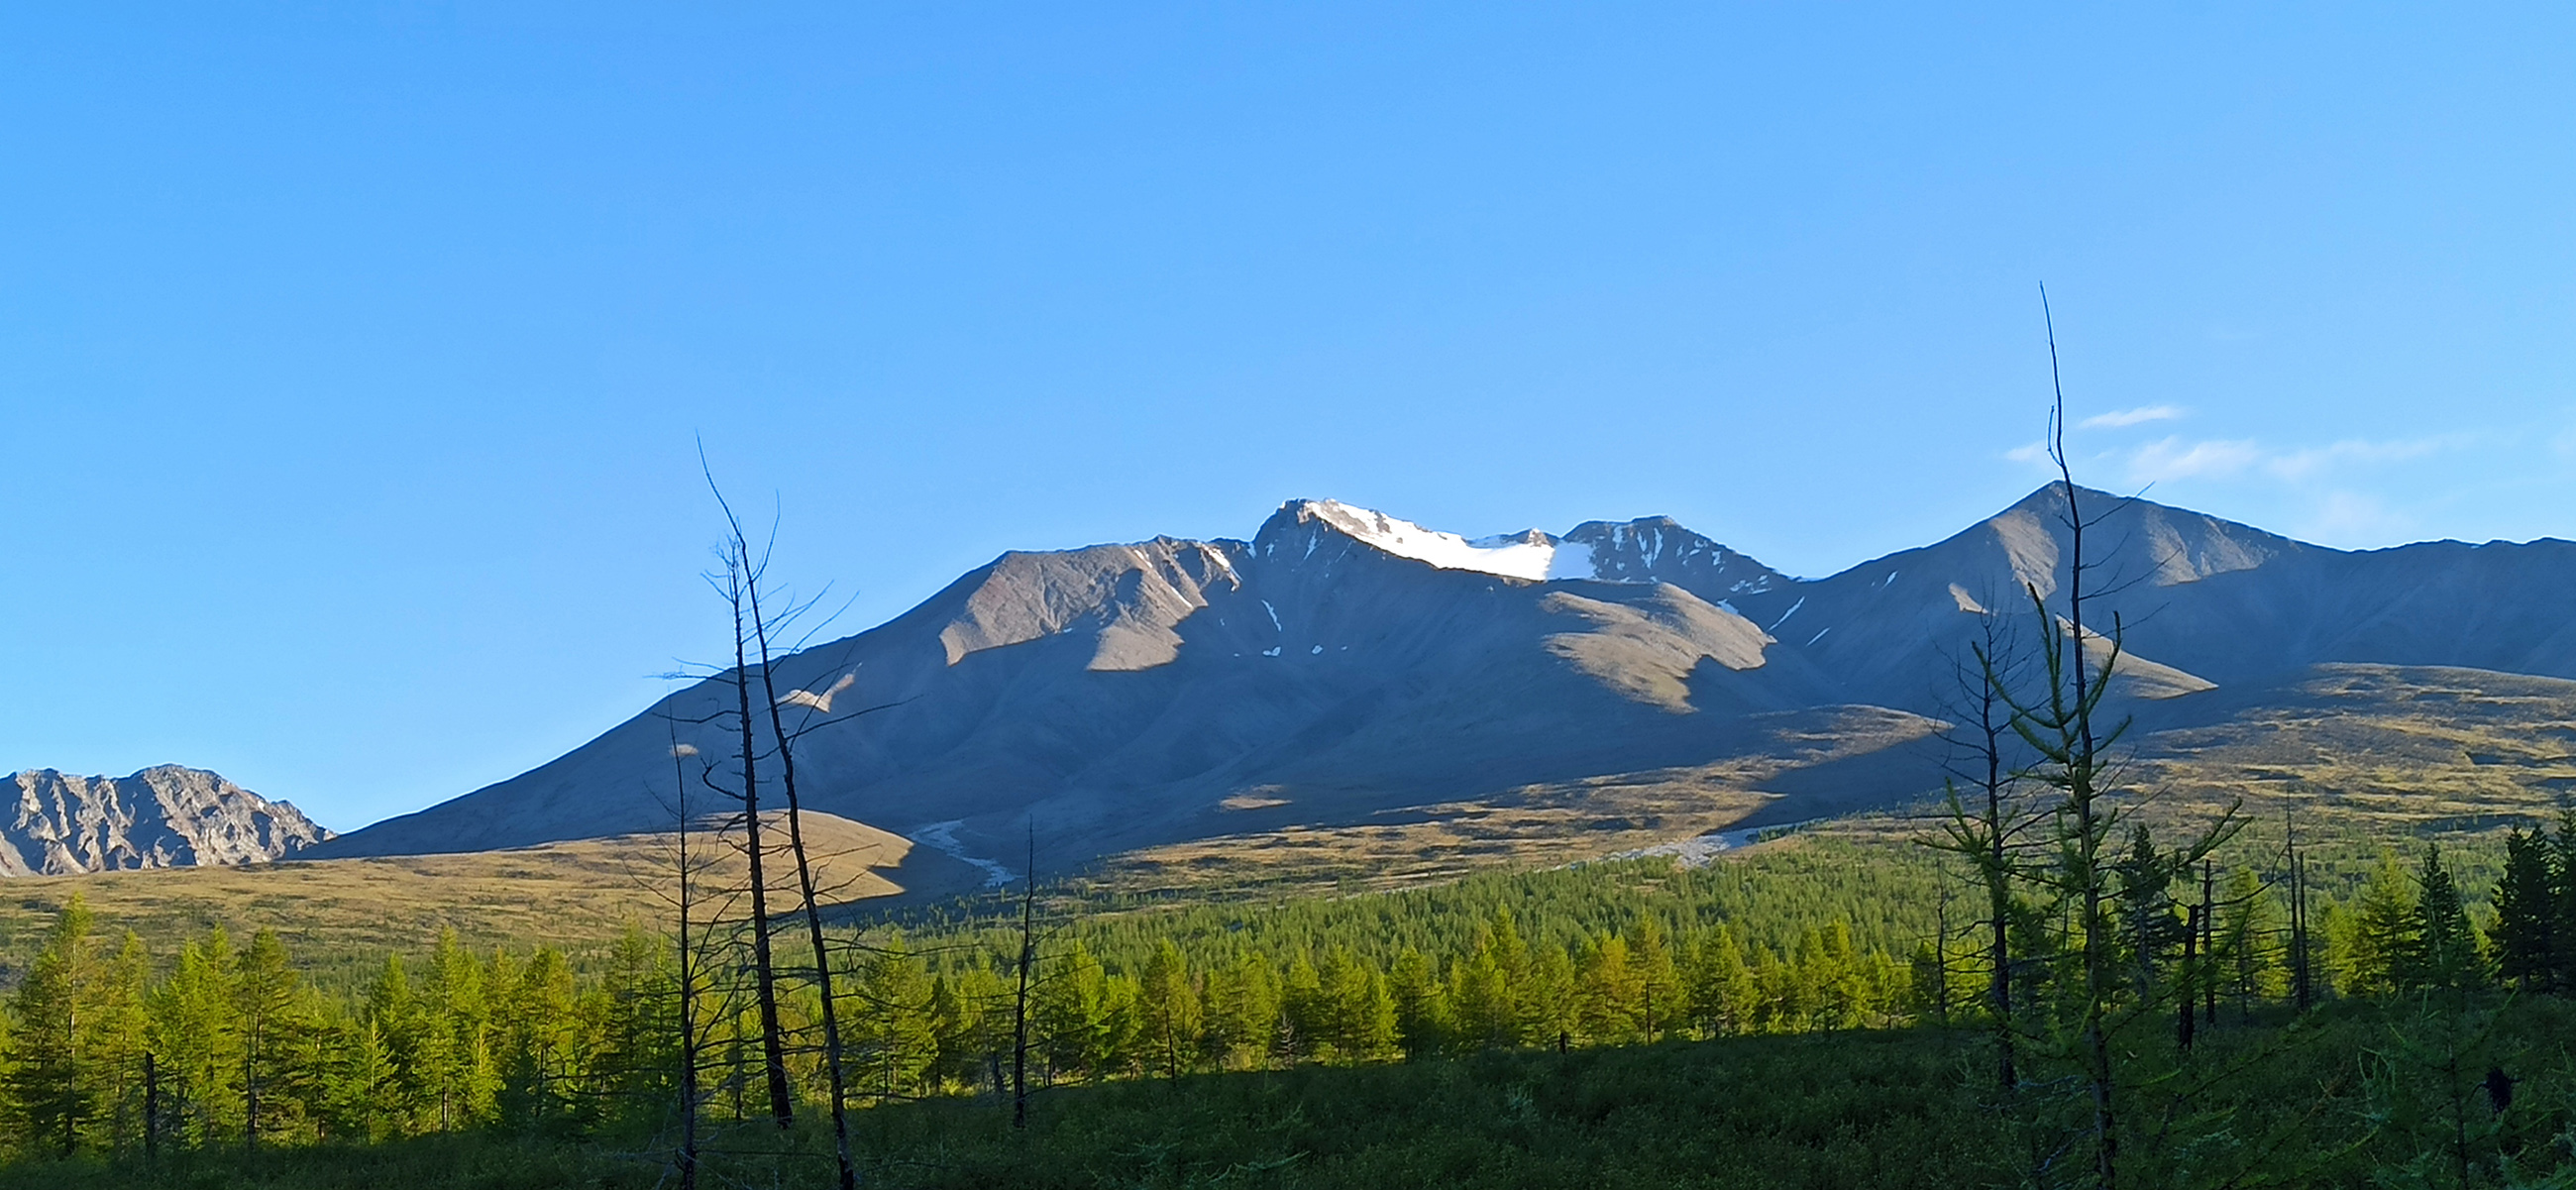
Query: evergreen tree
[117, 1037]
[1492, 992]
[897, 1039]
[1119, 1051]
[1074, 1016]
[2562, 896]
[455, 1056]
[279, 1041]
[2151, 925]
[1168, 1011]
[1724, 996]
[1609, 997]
[2445, 951]
[540, 1047]
[1665, 1006]
[1243, 1011]
[49, 1094]
[194, 1029]
[398, 1029]
[366, 1087]
[1421, 1010]
[963, 1021]
[1354, 1014]
[2376, 941]
[1839, 981]
[2524, 935]
[1303, 1012]
[1550, 1012]
[638, 1052]
[1929, 982]
[1482, 997]
[2248, 955]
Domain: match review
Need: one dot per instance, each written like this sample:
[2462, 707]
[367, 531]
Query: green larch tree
[49, 1094]
[2445, 951]
[1422, 1022]
[1168, 1011]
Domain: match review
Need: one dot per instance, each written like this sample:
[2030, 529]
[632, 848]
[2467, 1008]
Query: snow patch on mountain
[1529, 555]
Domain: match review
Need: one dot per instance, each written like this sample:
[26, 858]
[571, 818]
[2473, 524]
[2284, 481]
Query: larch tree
[2445, 953]
[2375, 943]
[1422, 1018]
[194, 1031]
[268, 1003]
[49, 1095]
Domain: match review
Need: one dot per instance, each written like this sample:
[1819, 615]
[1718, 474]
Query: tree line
[107, 1048]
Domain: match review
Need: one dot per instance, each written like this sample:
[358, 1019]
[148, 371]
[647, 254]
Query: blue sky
[352, 357]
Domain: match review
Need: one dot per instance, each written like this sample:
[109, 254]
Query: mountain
[1344, 669]
[162, 817]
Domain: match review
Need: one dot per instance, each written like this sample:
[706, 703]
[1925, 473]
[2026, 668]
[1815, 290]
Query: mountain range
[1342, 668]
[162, 817]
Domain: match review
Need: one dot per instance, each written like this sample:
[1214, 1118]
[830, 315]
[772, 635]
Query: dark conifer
[2523, 935]
[2445, 954]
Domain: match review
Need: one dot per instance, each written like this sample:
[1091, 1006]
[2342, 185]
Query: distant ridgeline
[1344, 670]
[162, 817]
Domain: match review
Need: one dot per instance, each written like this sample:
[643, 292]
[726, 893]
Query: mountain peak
[1659, 549]
[1529, 554]
[164, 816]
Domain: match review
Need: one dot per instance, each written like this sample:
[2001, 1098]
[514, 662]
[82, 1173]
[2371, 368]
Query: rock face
[1343, 665]
[162, 817]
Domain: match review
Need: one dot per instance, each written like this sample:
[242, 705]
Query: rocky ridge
[1343, 667]
[166, 816]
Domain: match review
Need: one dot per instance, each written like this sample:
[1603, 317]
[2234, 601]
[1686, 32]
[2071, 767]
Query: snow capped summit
[1529, 554]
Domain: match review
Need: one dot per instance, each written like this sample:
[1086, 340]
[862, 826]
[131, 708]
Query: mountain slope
[1342, 665]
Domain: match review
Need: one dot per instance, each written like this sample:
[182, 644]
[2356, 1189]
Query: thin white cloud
[2120, 418]
[2301, 464]
[2174, 458]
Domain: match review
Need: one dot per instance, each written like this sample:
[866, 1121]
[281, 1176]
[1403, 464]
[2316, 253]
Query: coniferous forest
[2415, 1024]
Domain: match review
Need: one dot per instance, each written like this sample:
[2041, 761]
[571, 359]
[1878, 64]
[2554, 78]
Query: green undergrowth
[2356, 1094]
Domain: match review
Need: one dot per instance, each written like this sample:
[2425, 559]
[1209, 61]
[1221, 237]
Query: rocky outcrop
[162, 817]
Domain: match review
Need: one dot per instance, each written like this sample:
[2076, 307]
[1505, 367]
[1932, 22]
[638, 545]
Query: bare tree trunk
[1020, 1002]
[688, 1158]
[763, 972]
[2077, 750]
[1940, 961]
[2302, 988]
[2209, 939]
[2190, 1009]
[804, 881]
[250, 1098]
[1983, 837]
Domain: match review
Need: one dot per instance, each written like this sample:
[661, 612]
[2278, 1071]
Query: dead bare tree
[2302, 976]
[1987, 834]
[733, 585]
[1020, 1000]
[753, 570]
[688, 968]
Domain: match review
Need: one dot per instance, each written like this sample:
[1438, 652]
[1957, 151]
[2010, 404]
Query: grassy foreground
[2358, 1094]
